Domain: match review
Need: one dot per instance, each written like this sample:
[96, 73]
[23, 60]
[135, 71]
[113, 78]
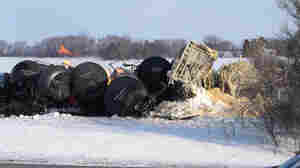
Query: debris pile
[184, 109]
[212, 102]
[207, 92]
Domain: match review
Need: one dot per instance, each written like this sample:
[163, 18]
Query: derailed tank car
[89, 83]
[20, 89]
[124, 96]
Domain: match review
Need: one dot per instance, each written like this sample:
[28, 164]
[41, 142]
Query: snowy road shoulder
[64, 139]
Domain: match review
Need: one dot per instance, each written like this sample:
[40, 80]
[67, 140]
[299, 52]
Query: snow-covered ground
[64, 139]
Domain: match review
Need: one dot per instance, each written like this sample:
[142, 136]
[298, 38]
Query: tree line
[108, 47]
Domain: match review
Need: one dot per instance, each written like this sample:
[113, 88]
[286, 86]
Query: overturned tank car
[32, 87]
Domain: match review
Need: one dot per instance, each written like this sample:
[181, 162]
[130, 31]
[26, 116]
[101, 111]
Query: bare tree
[108, 47]
[282, 117]
[212, 41]
[225, 47]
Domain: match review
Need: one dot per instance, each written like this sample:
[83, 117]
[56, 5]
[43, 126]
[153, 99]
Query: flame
[116, 73]
[63, 51]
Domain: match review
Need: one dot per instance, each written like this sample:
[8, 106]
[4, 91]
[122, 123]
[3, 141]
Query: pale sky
[233, 20]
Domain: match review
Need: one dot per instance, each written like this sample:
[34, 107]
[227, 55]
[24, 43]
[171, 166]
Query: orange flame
[63, 51]
[117, 72]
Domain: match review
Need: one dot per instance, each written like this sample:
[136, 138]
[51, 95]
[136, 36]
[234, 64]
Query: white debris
[21, 116]
[36, 117]
[201, 99]
[56, 114]
[66, 115]
[188, 107]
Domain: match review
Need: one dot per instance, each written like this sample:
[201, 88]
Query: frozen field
[64, 139]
